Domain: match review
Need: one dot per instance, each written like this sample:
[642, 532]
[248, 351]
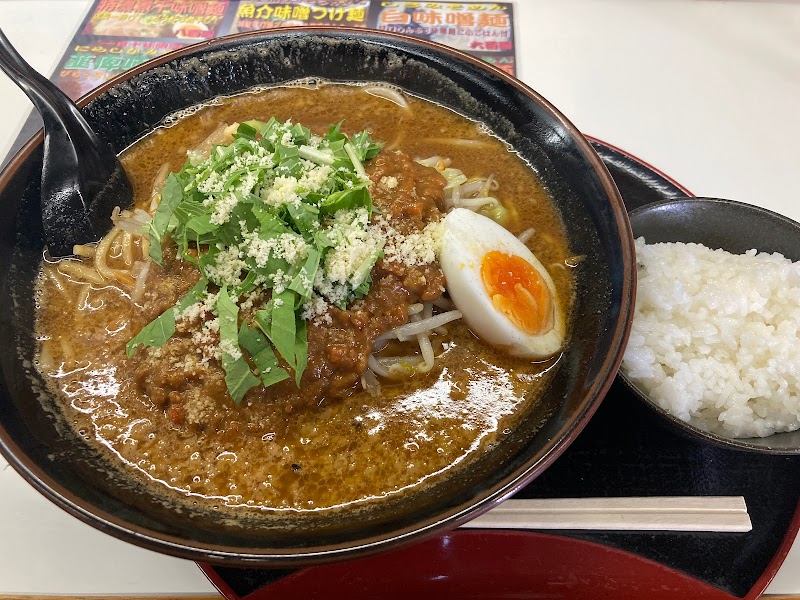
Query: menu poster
[484, 29]
[89, 63]
[192, 20]
[118, 35]
[267, 14]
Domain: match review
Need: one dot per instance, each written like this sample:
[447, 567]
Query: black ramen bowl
[50, 455]
[735, 227]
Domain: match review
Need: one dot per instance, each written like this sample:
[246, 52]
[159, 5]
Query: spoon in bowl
[82, 179]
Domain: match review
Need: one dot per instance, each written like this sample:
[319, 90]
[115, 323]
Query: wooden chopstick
[674, 513]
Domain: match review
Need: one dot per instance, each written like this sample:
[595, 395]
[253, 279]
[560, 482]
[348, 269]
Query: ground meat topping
[339, 343]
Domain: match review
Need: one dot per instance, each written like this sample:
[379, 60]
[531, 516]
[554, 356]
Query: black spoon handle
[69, 148]
[46, 95]
[36, 87]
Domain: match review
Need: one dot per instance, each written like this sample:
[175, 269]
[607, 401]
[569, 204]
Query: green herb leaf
[249, 283]
[283, 328]
[246, 189]
[196, 221]
[334, 133]
[305, 218]
[158, 331]
[268, 221]
[364, 145]
[300, 350]
[363, 288]
[303, 282]
[247, 131]
[255, 124]
[238, 376]
[201, 225]
[363, 270]
[346, 200]
[171, 196]
[300, 134]
[264, 321]
[260, 350]
[188, 209]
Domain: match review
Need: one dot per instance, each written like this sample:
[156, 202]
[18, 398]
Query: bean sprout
[405, 332]
[526, 235]
[387, 93]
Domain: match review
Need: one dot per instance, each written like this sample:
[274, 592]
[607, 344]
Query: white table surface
[708, 91]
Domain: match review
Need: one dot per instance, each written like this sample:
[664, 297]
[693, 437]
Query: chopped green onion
[320, 157]
[498, 213]
[351, 153]
[247, 131]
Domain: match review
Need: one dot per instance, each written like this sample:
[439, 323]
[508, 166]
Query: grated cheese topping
[280, 221]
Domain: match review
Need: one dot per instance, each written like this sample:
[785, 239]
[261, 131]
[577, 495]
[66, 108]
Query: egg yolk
[518, 291]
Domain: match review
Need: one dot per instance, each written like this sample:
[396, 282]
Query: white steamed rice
[715, 337]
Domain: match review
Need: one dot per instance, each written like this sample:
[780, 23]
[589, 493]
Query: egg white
[467, 237]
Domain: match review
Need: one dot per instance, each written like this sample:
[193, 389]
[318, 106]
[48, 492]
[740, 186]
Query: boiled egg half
[506, 296]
